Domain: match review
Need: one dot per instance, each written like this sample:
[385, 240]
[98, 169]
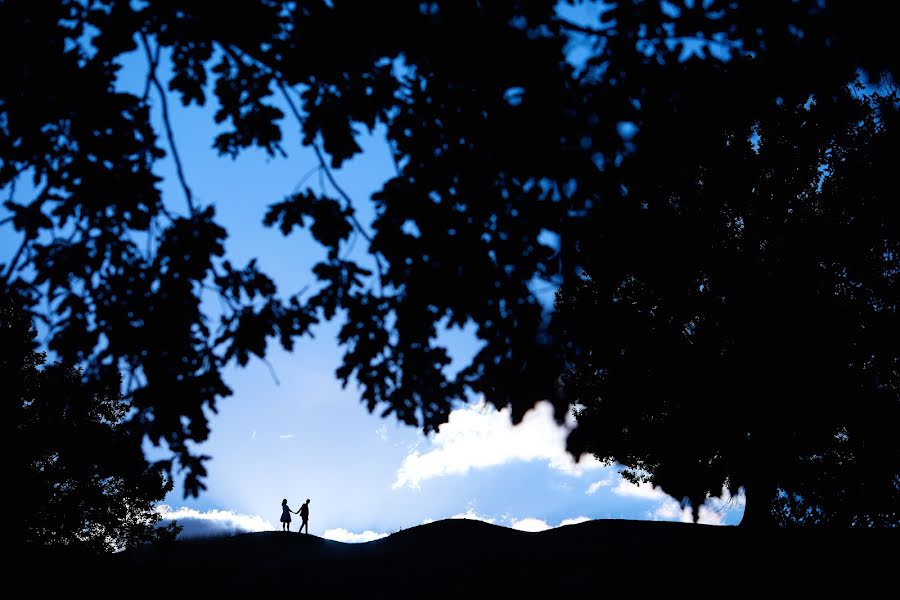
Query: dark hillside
[474, 559]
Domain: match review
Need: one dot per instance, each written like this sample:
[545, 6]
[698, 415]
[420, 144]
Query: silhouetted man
[304, 514]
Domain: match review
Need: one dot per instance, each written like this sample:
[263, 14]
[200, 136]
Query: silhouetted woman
[285, 516]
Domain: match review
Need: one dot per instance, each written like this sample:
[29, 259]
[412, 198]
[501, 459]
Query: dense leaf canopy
[751, 307]
[679, 157]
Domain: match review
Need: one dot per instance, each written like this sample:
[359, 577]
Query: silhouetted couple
[286, 516]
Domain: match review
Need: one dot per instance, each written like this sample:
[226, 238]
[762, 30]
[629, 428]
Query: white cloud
[381, 432]
[639, 490]
[340, 534]
[253, 435]
[712, 512]
[710, 517]
[469, 514]
[671, 510]
[573, 521]
[592, 489]
[473, 516]
[530, 524]
[533, 525]
[286, 436]
[212, 522]
[479, 437]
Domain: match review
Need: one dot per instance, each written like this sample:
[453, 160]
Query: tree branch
[566, 24]
[12, 187]
[306, 176]
[327, 171]
[39, 200]
[238, 56]
[575, 27]
[271, 370]
[167, 123]
[353, 218]
[151, 73]
[730, 44]
[12, 265]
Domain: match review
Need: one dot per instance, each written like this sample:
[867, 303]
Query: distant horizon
[477, 445]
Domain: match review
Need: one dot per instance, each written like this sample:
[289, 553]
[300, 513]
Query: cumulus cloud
[592, 489]
[340, 534]
[533, 525]
[478, 437]
[573, 521]
[639, 490]
[469, 514]
[473, 516]
[530, 524]
[671, 510]
[212, 522]
[712, 512]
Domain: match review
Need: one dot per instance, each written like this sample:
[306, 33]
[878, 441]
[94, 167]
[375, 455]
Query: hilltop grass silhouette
[463, 558]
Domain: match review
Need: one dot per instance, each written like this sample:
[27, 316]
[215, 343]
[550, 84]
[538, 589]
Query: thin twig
[306, 176]
[42, 197]
[154, 60]
[150, 241]
[12, 187]
[222, 296]
[730, 44]
[351, 214]
[565, 24]
[168, 125]
[391, 151]
[351, 244]
[271, 370]
[12, 265]
[238, 55]
[340, 192]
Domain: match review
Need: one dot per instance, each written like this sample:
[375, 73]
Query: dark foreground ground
[470, 559]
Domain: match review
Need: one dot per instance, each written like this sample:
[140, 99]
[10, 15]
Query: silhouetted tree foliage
[745, 333]
[614, 158]
[78, 477]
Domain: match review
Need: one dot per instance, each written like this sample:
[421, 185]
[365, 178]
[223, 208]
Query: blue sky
[305, 437]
